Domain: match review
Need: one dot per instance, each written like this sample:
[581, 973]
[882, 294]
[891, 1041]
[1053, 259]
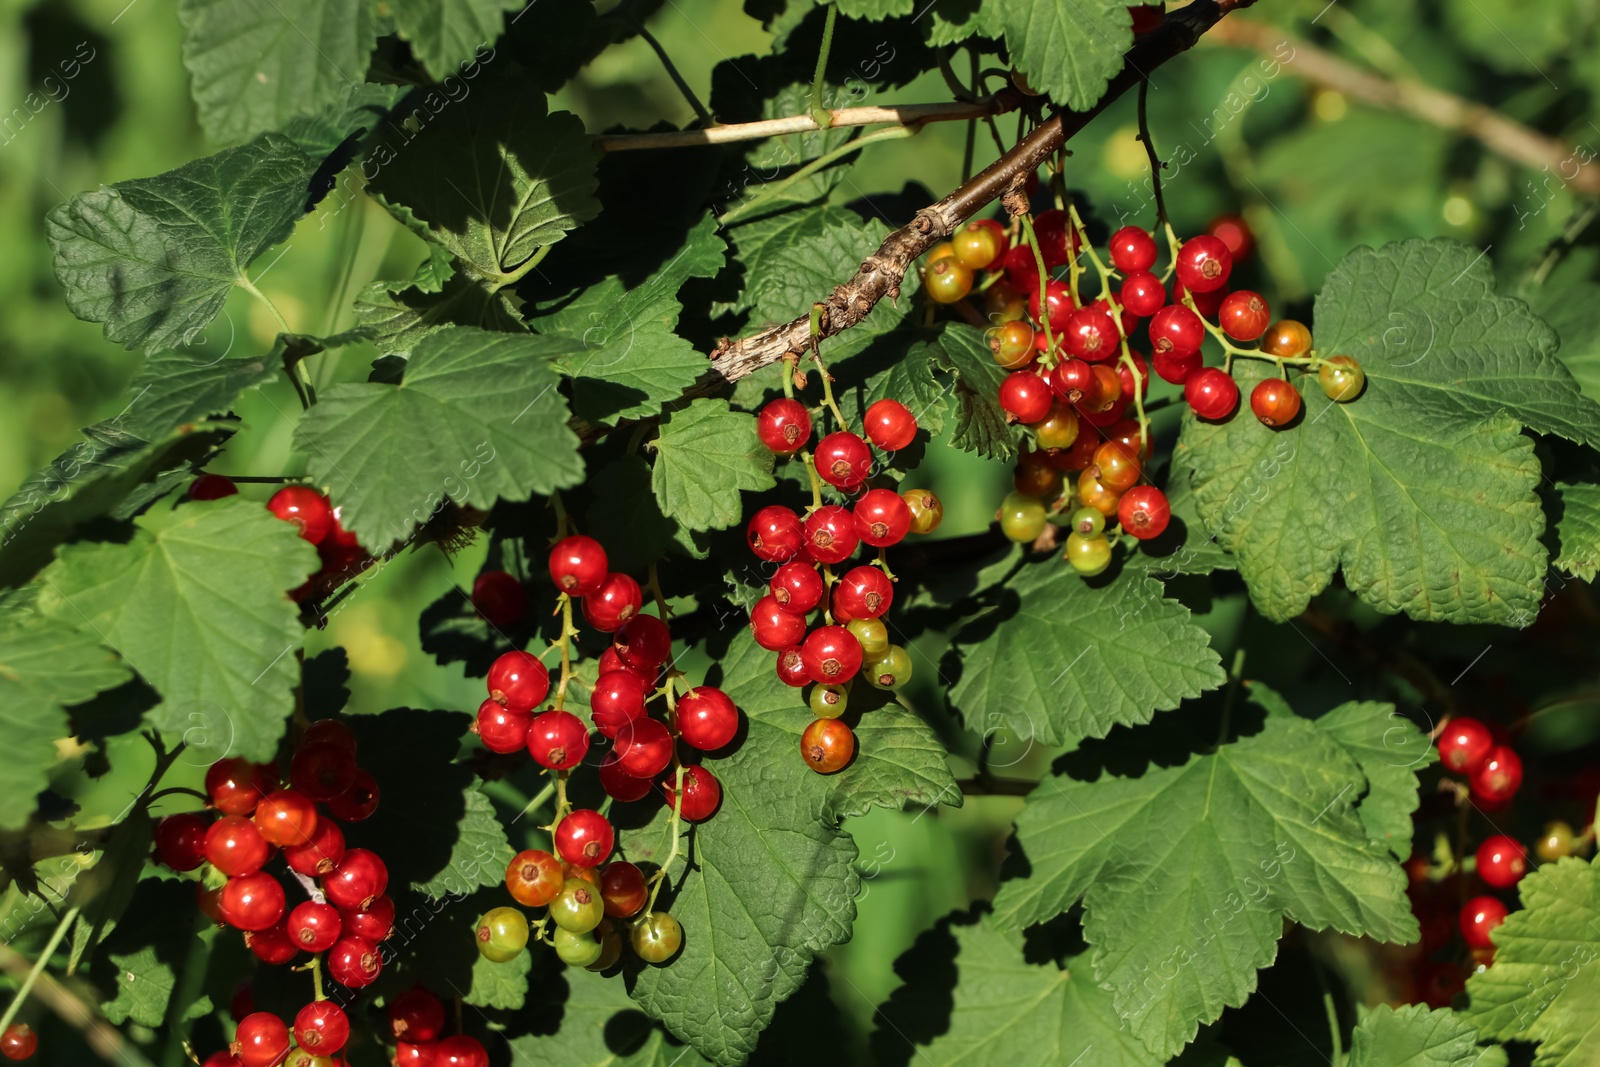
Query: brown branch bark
[1500, 135]
[881, 274]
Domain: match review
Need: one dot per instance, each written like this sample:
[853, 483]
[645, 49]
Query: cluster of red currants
[852, 637]
[347, 913]
[318, 521]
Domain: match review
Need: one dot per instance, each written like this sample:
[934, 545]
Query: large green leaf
[1578, 529]
[1069, 51]
[449, 33]
[484, 405]
[1186, 873]
[1390, 750]
[601, 1027]
[154, 258]
[1414, 1036]
[43, 666]
[1421, 489]
[981, 425]
[196, 602]
[706, 453]
[1056, 658]
[495, 180]
[400, 314]
[1545, 976]
[257, 66]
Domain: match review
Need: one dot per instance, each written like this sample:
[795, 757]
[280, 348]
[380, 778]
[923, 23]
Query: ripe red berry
[558, 740]
[889, 425]
[1501, 861]
[414, 1053]
[619, 783]
[578, 565]
[416, 1015]
[1204, 264]
[260, 1040]
[1127, 375]
[773, 627]
[236, 785]
[882, 518]
[1211, 393]
[610, 661]
[1176, 369]
[1275, 402]
[1091, 333]
[1132, 249]
[533, 878]
[1243, 315]
[286, 818]
[827, 745]
[618, 599]
[211, 487]
[1025, 396]
[18, 1042]
[830, 534]
[1234, 232]
[619, 697]
[701, 794]
[1177, 331]
[584, 838]
[1058, 298]
[1144, 512]
[707, 718]
[271, 945]
[314, 927]
[374, 922]
[358, 802]
[796, 586]
[1479, 916]
[784, 426]
[321, 771]
[1021, 269]
[501, 729]
[832, 655]
[306, 508]
[1058, 241]
[623, 889]
[843, 460]
[518, 680]
[775, 534]
[354, 962]
[1497, 777]
[252, 901]
[791, 665]
[644, 748]
[460, 1051]
[1142, 294]
[643, 642]
[1464, 744]
[235, 846]
[321, 1028]
[359, 878]
[329, 732]
[865, 592]
[181, 840]
[499, 598]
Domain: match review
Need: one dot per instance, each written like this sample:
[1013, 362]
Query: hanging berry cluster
[588, 899]
[852, 637]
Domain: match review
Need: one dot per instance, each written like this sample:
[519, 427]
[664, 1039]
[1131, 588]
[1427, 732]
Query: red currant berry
[1132, 249]
[358, 802]
[1464, 745]
[557, 740]
[1204, 264]
[235, 846]
[1058, 298]
[460, 1051]
[1025, 396]
[619, 783]
[1176, 369]
[211, 487]
[1288, 339]
[252, 901]
[980, 243]
[518, 680]
[354, 962]
[1021, 269]
[1501, 861]
[773, 627]
[644, 748]
[416, 1015]
[314, 927]
[701, 794]
[578, 565]
[610, 661]
[1090, 333]
[830, 534]
[19, 1042]
[181, 840]
[260, 1040]
[832, 655]
[1275, 402]
[329, 732]
[499, 598]
[1176, 331]
[946, 278]
[358, 879]
[623, 888]
[889, 425]
[585, 838]
[791, 665]
[236, 785]
[1479, 916]
[286, 818]
[618, 599]
[643, 642]
[1497, 777]
[1144, 512]
[306, 508]
[209, 901]
[784, 426]
[501, 729]
[1235, 233]
[707, 718]
[533, 878]
[415, 1053]
[827, 745]
[1211, 393]
[619, 698]
[843, 460]
[374, 922]
[797, 587]
[1243, 315]
[1207, 304]
[1143, 294]
[882, 518]
[775, 534]
[865, 592]
[271, 945]
[321, 771]
[1058, 241]
[321, 1028]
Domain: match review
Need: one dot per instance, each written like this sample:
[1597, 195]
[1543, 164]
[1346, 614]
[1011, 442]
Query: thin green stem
[677, 79]
[539, 798]
[250, 287]
[819, 111]
[568, 632]
[517, 273]
[816, 482]
[1044, 277]
[773, 190]
[1109, 294]
[38, 967]
[316, 977]
[1332, 1011]
[675, 827]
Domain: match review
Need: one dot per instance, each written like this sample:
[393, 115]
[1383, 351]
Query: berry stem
[49, 950]
[563, 526]
[819, 112]
[568, 632]
[653, 584]
[816, 482]
[822, 371]
[883, 564]
[315, 967]
[675, 826]
[538, 799]
[1109, 294]
[177, 789]
[1044, 277]
[1150, 150]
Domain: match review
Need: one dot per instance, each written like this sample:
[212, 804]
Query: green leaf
[196, 603]
[795, 259]
[637, 534]
[144, 952]
[256, 67]
[1391, 750]
[1415, 1036]
[1186, 873]
[495, 179]
[1057, 658]
[172, 389]
[1544, 979]
[900, 762]
[448, 33]
[154, 258]
[44, 665]
[1422, 489]
[601, 1027]
[874, 10]
[981, 425]
[500, 985]
[1578, 529]
[1069, 51]
[488, 409]
[706, 453]
[1570, 303]
[400, 318]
